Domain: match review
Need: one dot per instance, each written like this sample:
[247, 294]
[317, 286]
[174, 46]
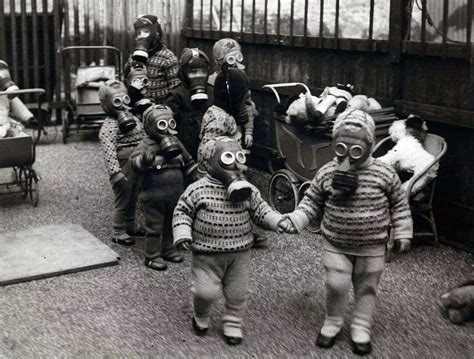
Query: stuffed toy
[458, 304]
[364, 103]
[408, 157]
[11, 107]
[305, 109]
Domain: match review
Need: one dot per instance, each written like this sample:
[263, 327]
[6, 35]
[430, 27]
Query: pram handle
[286, 84]
[17, 92]
[98, 47]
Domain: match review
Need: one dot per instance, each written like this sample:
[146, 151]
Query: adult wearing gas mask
[356, 198]
[137, 82]
[161, 63]
[228, 53]
[191, 98]
[214, 218]
[119, 135]
[163, 165]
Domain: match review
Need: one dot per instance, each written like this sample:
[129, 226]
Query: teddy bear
[408, 157]
[458, 303]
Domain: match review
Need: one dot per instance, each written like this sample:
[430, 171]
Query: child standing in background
[356, 198]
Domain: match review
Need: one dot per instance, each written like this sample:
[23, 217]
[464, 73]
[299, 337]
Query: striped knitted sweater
[117, 145]
[363, 219]
[205, 215]
[163, 74]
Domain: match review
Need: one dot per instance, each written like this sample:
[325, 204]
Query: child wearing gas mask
[119, 135]
[228, 53]
[213, 219]
[356, 198]
[191, 98]
[137, 81]
[163, 164]
[160, 61]
[11, 107]
[230, 89]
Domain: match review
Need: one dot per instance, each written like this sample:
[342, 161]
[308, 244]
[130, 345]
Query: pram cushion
[92, 74]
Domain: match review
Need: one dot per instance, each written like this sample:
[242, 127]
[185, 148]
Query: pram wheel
[283, 191]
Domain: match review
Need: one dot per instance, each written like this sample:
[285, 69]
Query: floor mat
[49, 251]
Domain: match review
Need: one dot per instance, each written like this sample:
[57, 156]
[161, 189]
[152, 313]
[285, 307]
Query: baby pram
[19, 153]
[84, 110]
[304, 151]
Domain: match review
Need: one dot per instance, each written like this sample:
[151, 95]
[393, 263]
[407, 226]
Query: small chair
[421, 209]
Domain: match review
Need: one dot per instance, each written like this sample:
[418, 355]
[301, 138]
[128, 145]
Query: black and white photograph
[237, 179]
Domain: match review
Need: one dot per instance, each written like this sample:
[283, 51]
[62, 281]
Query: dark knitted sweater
[363, 219]
[205, 215]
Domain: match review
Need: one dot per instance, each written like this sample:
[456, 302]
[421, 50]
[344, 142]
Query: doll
[11, 107]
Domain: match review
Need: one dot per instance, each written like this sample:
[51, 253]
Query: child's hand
[402, 245]
[184, 245]
[285, 225]
[148, 158]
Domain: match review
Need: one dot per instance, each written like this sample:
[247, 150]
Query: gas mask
[228, 52]
[147, 32]
[137, 82]
[353, 144]
[193, 72]
[230, 91]
[197, 78]
[160, 125]
[227, 165]
[6, 82]
[115, 102]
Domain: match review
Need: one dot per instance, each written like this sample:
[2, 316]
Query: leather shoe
[197, 329]
[361, 348]
[174, 257]
[232, 340]
[137, 231]
[156, 264]
[323, 341]
[124, 240]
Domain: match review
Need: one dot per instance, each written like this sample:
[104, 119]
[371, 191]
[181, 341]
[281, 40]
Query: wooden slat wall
[31, 34]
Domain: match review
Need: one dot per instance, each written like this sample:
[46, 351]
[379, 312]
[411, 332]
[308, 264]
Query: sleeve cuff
[181, 233]
[299, 219]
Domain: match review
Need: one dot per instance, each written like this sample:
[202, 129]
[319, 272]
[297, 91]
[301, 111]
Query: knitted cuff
[181, 233]
[299, 219]
[116, 177]
[271, 220]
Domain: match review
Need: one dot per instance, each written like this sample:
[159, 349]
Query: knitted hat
[226, 47]
[230, 87]
[149, 21]
[354, 121]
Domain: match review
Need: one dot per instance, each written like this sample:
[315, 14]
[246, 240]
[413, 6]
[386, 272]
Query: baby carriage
[19, 153]
[304, 151]
[84, 110]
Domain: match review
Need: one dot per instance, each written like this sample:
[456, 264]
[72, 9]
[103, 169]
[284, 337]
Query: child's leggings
[364, 273]
[209, 273]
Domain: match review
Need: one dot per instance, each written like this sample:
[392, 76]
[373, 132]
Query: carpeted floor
[129, 311]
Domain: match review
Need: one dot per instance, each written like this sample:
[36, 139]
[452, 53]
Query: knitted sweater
[117, 145]
[163, 74]
[205, 215]
[363, 219]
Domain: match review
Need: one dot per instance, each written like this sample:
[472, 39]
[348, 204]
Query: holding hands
[183, 245]
[286, 226]
[402, 245]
